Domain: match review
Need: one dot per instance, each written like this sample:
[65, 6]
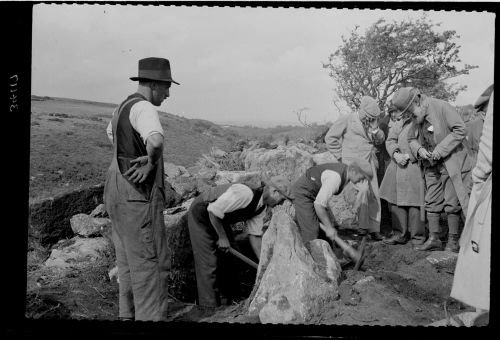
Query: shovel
[358, 256]
[243, 257]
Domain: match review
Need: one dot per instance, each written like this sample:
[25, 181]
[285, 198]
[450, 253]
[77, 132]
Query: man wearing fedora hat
[209, 221]
[134, 195]
[313, 190]
[356, 136]
[436, 138]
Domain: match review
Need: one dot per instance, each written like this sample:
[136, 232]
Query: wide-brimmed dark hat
[157, 69]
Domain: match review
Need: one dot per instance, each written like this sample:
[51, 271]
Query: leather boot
[453, 236]
[452, 243]
[432, 243]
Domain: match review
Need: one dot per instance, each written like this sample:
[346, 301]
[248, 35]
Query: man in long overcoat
[475, 126]
[471, 282]
[355, 136]
[402, 184]
[134, 195]
[436, 138]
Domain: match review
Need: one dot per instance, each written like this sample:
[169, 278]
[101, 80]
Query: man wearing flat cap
[356, 136]
[313, 190]
[134, 195]
[210, 217]
[436, 138]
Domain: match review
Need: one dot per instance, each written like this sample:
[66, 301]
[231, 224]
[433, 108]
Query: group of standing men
[428, 156]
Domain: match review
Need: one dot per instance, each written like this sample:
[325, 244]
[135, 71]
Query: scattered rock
[468, 319]
[443, 259]
[249, 177]
[87, 226]
[348, 295]
[50, 218]
[99, 211]
[216, 152]
[185, 187]
[172, 170]
[358, 285]
[341, 207]
[113, 273]
[287, 269]
[79, 251]
[289, 161]
[324, 157]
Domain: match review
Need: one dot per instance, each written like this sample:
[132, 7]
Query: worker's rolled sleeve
[237, 196]
[144, 119]
[330, 184]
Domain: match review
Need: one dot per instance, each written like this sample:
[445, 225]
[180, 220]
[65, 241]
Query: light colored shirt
[143, 118]
[238, 196]
[330, 185]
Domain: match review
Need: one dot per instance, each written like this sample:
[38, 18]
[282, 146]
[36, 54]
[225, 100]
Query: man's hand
[223, 244]
[424, 154]
[435, 155]
[400, 158]
[140, 169]
[362, 186]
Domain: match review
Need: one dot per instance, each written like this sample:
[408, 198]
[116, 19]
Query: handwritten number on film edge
[13, 97]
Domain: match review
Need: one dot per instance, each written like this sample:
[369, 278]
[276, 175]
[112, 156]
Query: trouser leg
[415, 224]
[434, 195]
[228, 271]
[125, 294]
[399, 219]
[305, 214]
[203, 241]
[146, 249]
[434, 227]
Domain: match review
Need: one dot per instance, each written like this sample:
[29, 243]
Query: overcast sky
[234, 64]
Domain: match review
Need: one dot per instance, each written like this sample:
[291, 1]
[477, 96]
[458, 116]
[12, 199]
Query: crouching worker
[209, 221]
[313, 190]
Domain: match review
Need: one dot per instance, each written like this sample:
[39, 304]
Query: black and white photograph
[260, 165]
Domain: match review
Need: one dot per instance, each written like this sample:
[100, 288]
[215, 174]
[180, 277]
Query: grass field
[69, 147]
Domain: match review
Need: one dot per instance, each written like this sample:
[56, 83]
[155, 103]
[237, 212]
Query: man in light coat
[355, 136]
[436, 139]
[471, 283]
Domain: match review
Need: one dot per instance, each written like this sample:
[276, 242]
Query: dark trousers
[407, 219]
[305, 213]
[215, 270]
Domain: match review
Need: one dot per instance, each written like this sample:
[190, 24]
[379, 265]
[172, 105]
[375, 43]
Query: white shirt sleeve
[238, 196]
[145, 120]
[330, 184]
[109, 129]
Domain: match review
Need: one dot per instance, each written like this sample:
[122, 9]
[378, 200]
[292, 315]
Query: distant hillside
[69, 146]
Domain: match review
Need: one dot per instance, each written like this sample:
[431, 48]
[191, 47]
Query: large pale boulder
[87, 226]
[290, 161]
[290, 286]
[185, 187]
[78, 251]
